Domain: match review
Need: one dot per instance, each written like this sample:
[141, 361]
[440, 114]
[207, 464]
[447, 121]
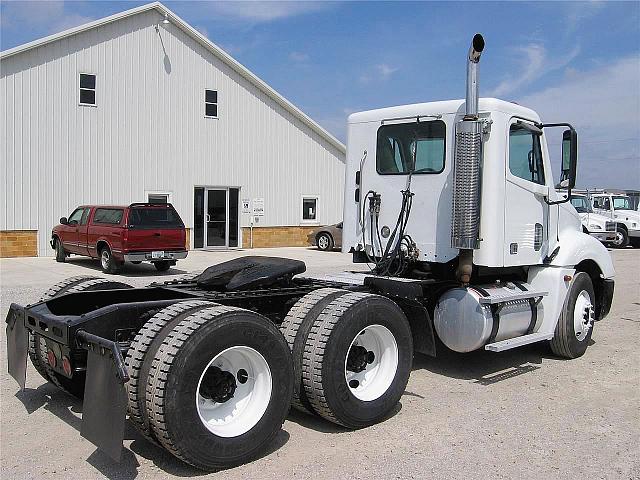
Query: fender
[576, 246]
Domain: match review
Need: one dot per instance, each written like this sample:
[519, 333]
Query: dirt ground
[518, 414]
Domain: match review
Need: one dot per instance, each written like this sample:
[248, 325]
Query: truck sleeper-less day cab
[619, 209]
[140, 232]
[453, 206]
[598, 226]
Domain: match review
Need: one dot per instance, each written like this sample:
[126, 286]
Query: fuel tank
[465, 321]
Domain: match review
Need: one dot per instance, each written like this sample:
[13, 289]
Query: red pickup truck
[140, 232]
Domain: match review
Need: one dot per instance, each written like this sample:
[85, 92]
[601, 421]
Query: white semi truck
[453, 207]
[598, 226]
[619, 209]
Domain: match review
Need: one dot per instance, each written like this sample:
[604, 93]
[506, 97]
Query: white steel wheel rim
[378, 375]
[619, 238]
[323, 242]
[243, 411]
[582, 315]
[104, 259]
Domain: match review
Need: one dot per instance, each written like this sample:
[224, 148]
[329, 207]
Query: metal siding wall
[148, 131]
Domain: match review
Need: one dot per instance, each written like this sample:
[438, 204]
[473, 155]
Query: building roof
[208, 44]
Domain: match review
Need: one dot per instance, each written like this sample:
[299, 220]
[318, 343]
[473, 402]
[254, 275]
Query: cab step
[518, 342]
[501, 295]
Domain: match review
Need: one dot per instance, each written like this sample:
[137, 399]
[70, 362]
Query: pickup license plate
[157, 254]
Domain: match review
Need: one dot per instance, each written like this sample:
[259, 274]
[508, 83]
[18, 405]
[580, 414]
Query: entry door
[216, 218]
[526, 213]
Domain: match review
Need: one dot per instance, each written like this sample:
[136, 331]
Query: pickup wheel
[220, 387]
[575, 325]
[107, 262]
[142, 352]
[61, 255]
[162, 266]
[295, 328]
[38, 346]
[357, 359]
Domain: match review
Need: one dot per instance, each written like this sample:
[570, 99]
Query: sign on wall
[246, 208]
[258, 207]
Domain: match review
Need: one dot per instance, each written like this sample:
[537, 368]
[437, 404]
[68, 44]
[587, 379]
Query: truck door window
[396, 143]
[525, 155]
[85, 216]
[75, 217]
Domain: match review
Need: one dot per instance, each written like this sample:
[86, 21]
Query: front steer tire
[340, 331]
[198, 345]
[566, 341]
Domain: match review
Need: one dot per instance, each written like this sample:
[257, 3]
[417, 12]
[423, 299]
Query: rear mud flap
[105, 399]
[17, 345]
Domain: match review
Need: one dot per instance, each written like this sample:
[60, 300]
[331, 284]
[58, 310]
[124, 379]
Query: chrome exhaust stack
[465, 221]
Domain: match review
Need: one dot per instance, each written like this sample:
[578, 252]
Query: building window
[87, 89]
[211, 103]
[310, 209]
[158, 198]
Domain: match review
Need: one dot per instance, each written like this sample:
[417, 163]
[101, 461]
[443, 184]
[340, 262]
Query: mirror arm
[565, 200]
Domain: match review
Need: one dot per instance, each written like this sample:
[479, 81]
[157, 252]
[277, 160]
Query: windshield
[581, 204]
[161, 216]
[621, 203]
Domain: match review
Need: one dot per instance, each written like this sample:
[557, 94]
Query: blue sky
[570, 61]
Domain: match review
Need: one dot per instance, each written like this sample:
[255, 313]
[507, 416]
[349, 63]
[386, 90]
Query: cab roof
[442, 108]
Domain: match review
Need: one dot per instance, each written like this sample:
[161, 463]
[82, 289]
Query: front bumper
[604, 236]
[148, 256]
[634, 233]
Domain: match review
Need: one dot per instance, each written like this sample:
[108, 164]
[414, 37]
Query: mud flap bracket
[105, 399]
[17, 345]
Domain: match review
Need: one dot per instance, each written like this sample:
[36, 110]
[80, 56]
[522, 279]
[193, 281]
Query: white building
[140, 106]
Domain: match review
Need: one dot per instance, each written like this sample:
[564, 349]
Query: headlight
[595, 227]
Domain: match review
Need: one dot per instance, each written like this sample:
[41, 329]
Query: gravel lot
[521, 413]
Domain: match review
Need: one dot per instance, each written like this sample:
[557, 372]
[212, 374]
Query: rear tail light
[51, 358]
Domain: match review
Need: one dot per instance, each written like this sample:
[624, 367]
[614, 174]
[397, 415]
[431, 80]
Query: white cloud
[578, 12]
[49, 17]
[266, 11]
[298, 56]
[379, 72]
[604, 105]
[534, 63]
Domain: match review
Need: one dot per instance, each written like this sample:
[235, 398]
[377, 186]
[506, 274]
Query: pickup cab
[140, 232]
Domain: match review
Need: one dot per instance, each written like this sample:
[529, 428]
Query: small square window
[309, 209]
[210, 103]
[87, 89]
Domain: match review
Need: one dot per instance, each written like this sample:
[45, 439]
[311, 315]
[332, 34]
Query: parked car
[140, 232]
[327, 237]
[596, 225]
[619, 209]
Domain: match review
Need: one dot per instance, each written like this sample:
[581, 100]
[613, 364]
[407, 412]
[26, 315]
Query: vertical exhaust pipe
[475, 50]
[465, 221]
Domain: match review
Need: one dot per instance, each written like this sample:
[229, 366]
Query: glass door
[216, 218]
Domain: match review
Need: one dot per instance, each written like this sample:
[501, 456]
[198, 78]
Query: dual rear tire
[354, 355]
[210, 383]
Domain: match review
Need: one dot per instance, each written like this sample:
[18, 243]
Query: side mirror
[569, 157]
[64, 221]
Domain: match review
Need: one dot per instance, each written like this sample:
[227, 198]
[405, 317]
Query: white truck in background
[598, 226]
[619, 209]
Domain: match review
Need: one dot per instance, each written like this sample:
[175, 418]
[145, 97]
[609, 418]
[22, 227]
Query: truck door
[69, 232]
[526, 212]
[83, 226]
